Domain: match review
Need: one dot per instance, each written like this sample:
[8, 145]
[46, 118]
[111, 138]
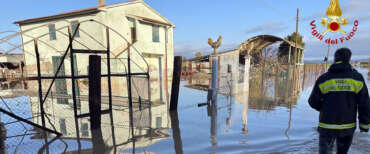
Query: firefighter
[338, 95]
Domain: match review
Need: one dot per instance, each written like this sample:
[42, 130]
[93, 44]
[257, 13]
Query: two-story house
[133, 24]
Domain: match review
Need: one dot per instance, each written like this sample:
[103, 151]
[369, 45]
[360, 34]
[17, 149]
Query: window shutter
[60, 84]
[155, 34]
[63, 127]
[52, 32]
[74, 27]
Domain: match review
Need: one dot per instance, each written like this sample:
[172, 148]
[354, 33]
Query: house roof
[206, 57]
[95, 10]
[61, 15]
[145, 19]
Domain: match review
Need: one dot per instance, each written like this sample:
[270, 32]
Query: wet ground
[276, 130]
[270, 119]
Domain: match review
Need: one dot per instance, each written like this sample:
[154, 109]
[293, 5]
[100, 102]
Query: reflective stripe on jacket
[338, 95]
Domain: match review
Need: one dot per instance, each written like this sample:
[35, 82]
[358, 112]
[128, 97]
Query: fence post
[175, 83]
[2, 138]
[95, 91]
[95, 103]
[176, 132]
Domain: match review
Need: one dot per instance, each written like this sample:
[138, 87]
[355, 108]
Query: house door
[160, 78]
[76, 87]
[60, 84]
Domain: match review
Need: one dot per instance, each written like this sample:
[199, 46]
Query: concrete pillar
[2, 138]
[290, 52]
[246, 93]
[214, 76]
[235, 75]
[246, 73]
[302, 57]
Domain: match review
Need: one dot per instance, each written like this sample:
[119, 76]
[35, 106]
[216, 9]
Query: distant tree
[268, 55]
[283, 52]
[198, 54]
[184, 64]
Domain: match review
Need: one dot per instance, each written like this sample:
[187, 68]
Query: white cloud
[316, 15]
[364, 17]
[269, 28]
[356, 6]
[355, 9]
[359, 46]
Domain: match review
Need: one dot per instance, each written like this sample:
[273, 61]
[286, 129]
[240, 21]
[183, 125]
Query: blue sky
[236, 20]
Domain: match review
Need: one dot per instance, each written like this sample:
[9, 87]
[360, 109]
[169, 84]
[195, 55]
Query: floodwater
[270, 116]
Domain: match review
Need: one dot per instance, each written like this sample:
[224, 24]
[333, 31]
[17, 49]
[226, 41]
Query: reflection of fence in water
[19, 136]
[278, 85]
[24, 138]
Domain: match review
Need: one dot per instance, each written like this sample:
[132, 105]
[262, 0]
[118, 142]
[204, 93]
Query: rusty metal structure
[126, 73]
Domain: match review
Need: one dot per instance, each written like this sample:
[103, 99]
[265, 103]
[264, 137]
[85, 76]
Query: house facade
[133, 26]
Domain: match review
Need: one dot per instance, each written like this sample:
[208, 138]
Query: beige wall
[114, 16]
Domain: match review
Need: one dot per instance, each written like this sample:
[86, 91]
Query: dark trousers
[326, 144]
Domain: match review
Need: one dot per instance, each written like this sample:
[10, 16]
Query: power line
[275, 9]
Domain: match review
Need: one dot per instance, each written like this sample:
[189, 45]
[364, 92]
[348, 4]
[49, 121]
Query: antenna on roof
[101, 3]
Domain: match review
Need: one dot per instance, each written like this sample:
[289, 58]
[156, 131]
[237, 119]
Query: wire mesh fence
[19, 136]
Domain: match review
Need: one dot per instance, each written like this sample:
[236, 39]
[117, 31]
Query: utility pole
[295, 50]
[296, 39]
[327, 57]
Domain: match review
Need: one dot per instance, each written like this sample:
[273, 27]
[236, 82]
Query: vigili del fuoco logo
[335, 24]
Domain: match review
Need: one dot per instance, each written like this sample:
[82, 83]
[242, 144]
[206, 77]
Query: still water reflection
[268, 114]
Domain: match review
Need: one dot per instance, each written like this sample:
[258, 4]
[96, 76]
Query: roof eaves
[58, 16]
[121, 4]
[150, 20]
[156, 12]
[146, 5]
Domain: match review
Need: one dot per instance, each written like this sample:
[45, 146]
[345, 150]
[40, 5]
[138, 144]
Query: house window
[155, 34]
[74, 27]
[60, 84]
[85, 129]
[132, 25]
[63, 127]
[158, 122]
[229, 68]
[52, 32]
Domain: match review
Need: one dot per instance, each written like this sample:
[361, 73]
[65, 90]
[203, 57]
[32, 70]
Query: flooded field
[268, 114]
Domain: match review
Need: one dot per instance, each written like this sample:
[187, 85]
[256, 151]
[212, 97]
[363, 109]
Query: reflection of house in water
[264, 89]
[269, 87]
[151, 124]
[274, 86]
